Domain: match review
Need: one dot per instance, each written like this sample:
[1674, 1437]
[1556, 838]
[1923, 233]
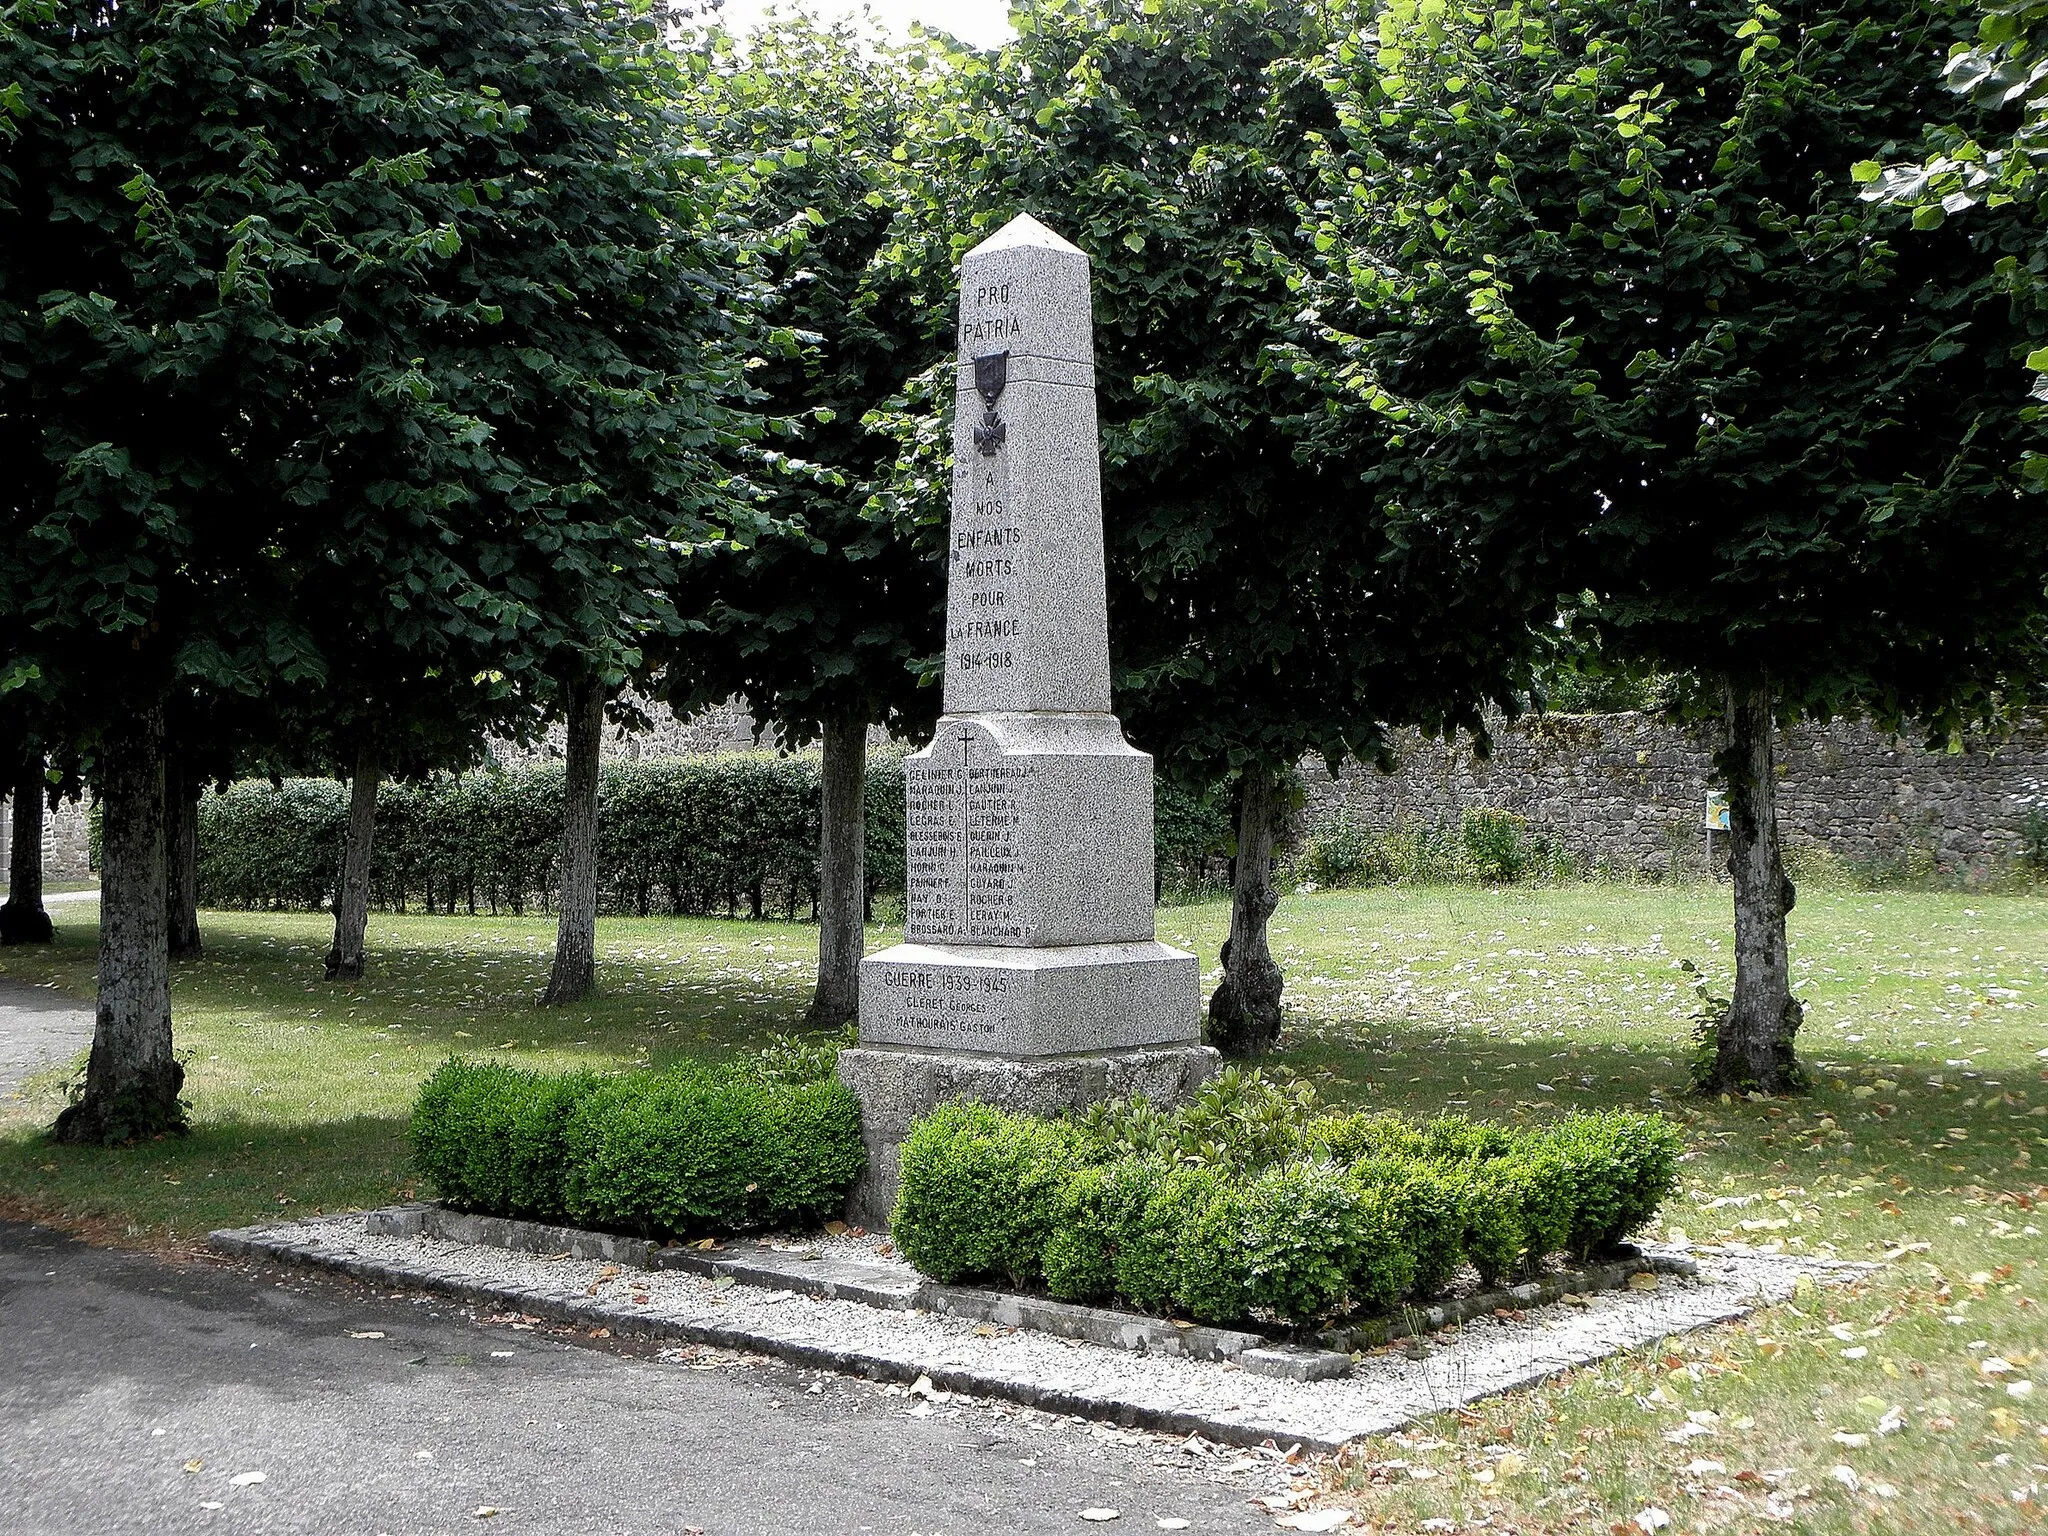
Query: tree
[1605, 281]
[822, 621]
[401, 331]
[1260, 609]
[574, 971]
[23, 919]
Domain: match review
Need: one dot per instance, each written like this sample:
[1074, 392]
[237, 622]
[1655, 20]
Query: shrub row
[658, 1154]
[1351, 1215]
[728, 832]
[725, 832]
[1486, 845]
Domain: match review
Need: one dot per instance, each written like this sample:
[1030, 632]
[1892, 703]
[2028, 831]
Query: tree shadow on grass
[1975, 1128]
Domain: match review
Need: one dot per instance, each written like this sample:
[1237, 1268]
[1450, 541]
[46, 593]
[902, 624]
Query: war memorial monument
[1029, 976]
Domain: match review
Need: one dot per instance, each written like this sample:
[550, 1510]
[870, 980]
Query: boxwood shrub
[1249, 1218]
[685, 1152]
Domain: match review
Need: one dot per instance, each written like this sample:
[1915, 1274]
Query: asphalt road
[134, 1392]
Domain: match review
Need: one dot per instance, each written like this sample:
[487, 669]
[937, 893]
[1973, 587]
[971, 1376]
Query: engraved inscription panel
[946, 1006]
[988, 319]
[984, 617]
[965, 866]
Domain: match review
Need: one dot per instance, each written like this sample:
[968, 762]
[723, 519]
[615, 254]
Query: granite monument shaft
[1029, 975]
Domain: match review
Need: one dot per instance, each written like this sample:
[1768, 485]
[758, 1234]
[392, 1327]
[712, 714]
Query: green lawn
[1923, 1026]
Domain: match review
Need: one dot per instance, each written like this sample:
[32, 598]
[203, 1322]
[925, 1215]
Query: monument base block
[1001, 1000]
[897, 1085]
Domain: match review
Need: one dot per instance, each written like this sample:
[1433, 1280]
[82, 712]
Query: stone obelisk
[1029, 976]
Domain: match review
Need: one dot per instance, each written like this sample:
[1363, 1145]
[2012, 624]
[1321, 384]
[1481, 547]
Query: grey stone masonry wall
[1628, 791]
[727, 727]
[67, 840]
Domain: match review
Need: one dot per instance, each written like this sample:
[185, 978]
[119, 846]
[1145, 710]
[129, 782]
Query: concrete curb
[897, 1287]
[293, 1244]
[261, 1243]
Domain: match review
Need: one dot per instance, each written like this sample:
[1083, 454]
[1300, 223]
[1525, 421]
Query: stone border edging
[261, 1243]
[1394, 1396]
[887, 1287]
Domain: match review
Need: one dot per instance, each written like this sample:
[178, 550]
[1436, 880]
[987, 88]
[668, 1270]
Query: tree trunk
[1244, 1015]
[181, 859]
[576, 923]
[842, 873]
[22, 918]
[352, 902]
[1753, 1040]
[131, 1080]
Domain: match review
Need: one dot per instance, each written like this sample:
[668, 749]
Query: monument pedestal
[1030, 977]
[896, 1086]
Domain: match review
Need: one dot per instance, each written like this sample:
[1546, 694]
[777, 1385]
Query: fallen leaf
[195, 1465]
[485, 1511]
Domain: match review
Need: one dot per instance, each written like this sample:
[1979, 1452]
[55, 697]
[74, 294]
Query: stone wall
[1627, 792]
[1622, 792]
[727, 728]
[67, 841]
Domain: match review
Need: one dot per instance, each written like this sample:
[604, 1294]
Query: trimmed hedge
[659, 1154]
[726, 832]
[1303, 1222]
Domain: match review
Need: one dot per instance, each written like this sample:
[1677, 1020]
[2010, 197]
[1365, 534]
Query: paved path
[39, 1027]
[366, 1412]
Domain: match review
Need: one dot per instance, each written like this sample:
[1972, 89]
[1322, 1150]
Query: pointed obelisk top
[1024, 291]
[1024, 230]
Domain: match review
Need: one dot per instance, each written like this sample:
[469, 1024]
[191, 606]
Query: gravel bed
[1386, 1389]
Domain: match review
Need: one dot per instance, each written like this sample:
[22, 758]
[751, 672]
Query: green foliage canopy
[1603, 277]
[1259, 608]
[823, 612]
[349, 339]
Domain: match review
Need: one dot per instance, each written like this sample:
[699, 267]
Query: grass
[1916, 1151]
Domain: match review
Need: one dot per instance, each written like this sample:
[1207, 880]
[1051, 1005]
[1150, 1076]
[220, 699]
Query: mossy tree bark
[842, 872]
[1244, 1014]
[346, 959]
[1753, 1041]
[181, 856]
[131, 1079]
[23, 919]
[575, 968]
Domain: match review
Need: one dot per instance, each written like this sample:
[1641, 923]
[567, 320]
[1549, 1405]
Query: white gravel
[1385, 1389]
